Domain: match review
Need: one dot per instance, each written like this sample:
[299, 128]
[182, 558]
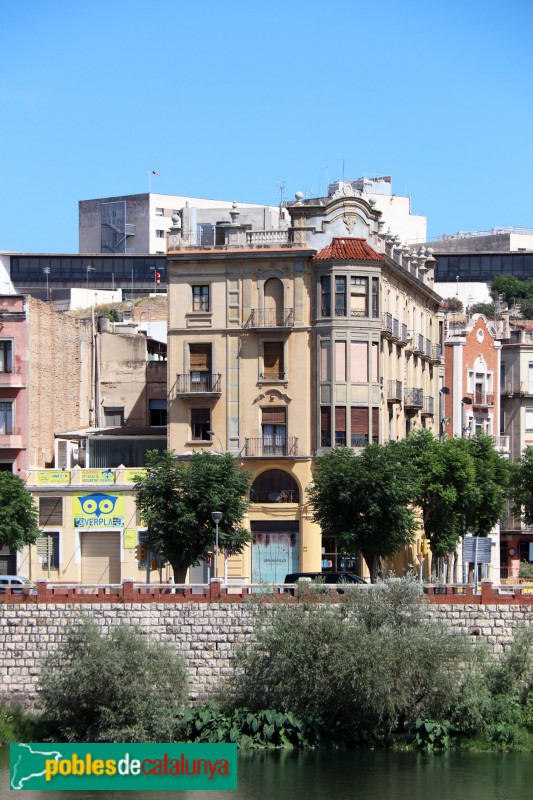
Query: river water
[346, 775]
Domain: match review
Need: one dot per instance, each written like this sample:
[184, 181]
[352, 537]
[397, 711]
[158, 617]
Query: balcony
[483, 399]
[11, 438]
[198, 383]
[428, 406]
[436, 354]
[272, 377]
[418, 344]
[402, 337]
[413, 399]
[11, 379]
[501, 443]
[270, 447]
[428, 349]
[390, 327]
[394, 392]
[269, 318]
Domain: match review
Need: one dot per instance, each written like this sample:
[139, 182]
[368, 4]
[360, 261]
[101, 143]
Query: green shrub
[371, 665]
[262, 729]
[116, 688]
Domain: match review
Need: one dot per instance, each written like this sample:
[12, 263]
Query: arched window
[273, 301]
[274, 486]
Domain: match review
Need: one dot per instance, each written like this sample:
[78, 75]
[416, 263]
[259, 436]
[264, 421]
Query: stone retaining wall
[207, 634]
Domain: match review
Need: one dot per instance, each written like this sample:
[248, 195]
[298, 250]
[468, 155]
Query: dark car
[324, 577]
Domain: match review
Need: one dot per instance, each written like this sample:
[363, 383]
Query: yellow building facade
[281, 347]
[89, 527]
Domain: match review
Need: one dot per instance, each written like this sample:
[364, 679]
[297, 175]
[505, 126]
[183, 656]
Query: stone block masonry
[207, 634]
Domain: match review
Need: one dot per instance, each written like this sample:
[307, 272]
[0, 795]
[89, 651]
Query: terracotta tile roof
[348, 249]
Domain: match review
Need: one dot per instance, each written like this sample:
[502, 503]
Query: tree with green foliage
[445, 479]
[117, 688]
[462, 487]
[177, 497]
[486, 504]
[488, 309]
[365, 501]
[18, 515]
[513, 289]
[521, 486]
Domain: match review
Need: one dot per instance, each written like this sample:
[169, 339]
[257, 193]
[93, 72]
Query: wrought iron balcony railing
[413, 398]
[270, 318]
[271, 447]
[198, 383]
[394, 392]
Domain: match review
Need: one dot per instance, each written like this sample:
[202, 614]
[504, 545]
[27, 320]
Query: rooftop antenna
[280, 188]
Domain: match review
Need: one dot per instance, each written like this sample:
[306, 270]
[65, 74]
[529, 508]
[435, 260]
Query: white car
[17, 584]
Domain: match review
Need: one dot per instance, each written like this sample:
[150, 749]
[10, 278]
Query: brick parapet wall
[208, 634]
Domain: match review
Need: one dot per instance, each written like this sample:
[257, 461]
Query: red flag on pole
[157, 278]
[155, 173]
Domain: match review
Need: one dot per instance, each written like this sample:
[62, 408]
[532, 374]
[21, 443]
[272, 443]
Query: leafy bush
[373, 664]
[119, 688]
[263, 729]
[526, 571]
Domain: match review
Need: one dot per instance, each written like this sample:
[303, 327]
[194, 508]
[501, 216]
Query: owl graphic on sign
[98, 504]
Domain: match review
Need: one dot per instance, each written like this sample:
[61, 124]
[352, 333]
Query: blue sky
[226, 100]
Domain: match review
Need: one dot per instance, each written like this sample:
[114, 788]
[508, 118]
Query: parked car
[17, 584]
[324, 577]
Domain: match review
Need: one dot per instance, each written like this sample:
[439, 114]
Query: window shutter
[273, 357]
[50, 511]
[340, 418]
[200, 357]
[359, 421]
[375, 422]
[274, 416]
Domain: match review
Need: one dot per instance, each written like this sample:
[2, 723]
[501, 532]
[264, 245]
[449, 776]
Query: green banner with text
[123, 766]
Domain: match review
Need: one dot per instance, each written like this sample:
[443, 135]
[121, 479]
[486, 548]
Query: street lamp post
[212, 433]
[442, 391]
[217, 516]
[89, 269]
[466, 401]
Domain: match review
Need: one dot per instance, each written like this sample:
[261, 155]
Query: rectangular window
[50, 511]
[6, 418]
[200, 424]
[340, 426]
[359, 297]
[273, 366]
[325, 426]
[200, 298]
[6, 355]
[325, 365]
[159, 212]
[359, 362]
[158, 413]
[375, 425]
[530, 377]
[113, 416]
[340, 296]
[529, 419]
[54, 551]
[274, 430]
[325, 295]
[375, 298]
[375, 362]
[160, 234]
[340, 361]
[359, 427]
[200, 358]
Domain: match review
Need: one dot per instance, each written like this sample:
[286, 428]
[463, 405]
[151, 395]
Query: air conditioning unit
[70, 454]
